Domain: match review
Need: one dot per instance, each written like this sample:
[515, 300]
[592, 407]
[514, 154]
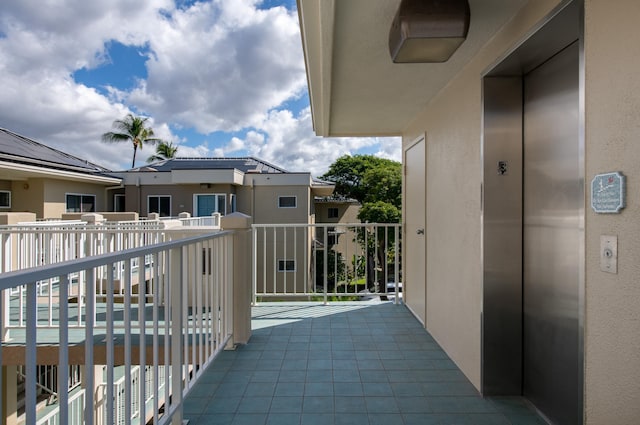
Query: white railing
[179, 328]
[41, 243]
[322, 261]
[75, 412]
[208, 221]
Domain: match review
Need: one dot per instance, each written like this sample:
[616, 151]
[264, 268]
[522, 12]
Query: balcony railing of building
[180, 324]
[324, 262]
[92, 294]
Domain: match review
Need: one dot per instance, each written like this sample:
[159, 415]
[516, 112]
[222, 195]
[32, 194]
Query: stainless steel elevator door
[553, 199]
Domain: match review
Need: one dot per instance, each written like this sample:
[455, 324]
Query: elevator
[533, 221]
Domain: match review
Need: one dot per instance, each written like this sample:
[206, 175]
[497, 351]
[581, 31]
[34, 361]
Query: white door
[414, 250]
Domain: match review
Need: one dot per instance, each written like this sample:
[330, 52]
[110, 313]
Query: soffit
[15, 171]
[355, 88]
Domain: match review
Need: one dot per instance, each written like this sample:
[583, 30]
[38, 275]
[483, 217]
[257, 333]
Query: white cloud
[288, 141]
[219, 65]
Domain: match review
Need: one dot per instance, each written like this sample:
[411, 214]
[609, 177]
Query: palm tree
[131, 129]
[164, 150]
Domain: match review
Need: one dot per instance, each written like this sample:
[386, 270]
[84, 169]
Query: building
[510, 263]
[265, 192]
[202, 186]
[45, 181]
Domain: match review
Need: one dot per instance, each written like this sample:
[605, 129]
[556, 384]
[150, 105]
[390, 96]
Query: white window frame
[282, 265]
[234, 205]
[158, 196]
[8, 192]
[88, 195]
[195, 202]
[115, 202]
[295, 199]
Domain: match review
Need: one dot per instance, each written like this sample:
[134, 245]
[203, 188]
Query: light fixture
[426, 31]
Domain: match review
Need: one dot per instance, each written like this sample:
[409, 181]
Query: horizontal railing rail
[326, 261]
[180, 329]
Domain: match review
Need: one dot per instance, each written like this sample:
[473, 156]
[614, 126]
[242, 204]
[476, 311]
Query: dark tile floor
[359, 363]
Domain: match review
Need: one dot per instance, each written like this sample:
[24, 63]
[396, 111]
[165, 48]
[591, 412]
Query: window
[287, 202]
[332, 212]
[5, 199]
[160, 204]
[80, 203]
[118, 203]
[234, 207]
[207, 204]
[286, 265]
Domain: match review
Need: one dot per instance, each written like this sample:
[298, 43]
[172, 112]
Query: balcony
[162, 314]
[366, 362]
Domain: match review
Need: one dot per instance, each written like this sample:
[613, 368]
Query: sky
[217, 78]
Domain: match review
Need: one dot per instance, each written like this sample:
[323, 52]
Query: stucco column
[9, 249]
[242, 265]
[9, 395]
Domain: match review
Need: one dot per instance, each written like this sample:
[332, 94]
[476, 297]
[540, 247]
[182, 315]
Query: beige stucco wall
[452, 123]
[181, 196]
[612, 137]
[28, 196]
[347, 212]
[54, 195]
[266, 204]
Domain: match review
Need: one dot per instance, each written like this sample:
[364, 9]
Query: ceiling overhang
[355, 89]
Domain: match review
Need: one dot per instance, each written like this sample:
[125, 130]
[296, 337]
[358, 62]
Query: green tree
[366, 178]
[377, 184]
[164, 150]
[131, 129]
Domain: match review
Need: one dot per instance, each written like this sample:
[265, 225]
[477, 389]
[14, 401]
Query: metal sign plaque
[608, 193]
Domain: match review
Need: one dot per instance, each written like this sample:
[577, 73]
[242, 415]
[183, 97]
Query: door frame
[405, 234]
[501, 358]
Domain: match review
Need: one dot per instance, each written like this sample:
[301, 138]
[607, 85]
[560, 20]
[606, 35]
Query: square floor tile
[350, 389]
[254, 405]
[386, 419]
[381, 405]
[351, 419]
[289, 389]
[318, 389]
[317, 419]
[286, 404]
[317, 404]
[283, 419]
[249, 419]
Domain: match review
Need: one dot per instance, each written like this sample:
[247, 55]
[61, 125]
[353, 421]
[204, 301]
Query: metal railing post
[175, 305]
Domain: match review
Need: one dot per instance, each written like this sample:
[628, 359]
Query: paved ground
[359, 363]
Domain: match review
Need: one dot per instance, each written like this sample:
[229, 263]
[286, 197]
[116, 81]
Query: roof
[22, 150]
[244, 164]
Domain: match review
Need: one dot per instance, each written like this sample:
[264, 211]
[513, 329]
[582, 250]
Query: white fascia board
[30, 171]
[226, 176]
[317, 20]
[147, 178]
[284, 179]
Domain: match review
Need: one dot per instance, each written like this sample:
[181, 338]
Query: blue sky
[215, 77]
